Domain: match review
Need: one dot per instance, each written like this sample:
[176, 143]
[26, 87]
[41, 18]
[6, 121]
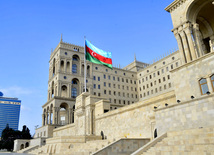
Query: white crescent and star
[93, 54]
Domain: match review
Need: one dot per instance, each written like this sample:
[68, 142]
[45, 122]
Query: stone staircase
[187, 142]
[28, 149]
[71, 148]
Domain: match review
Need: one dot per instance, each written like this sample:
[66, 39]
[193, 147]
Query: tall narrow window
[74, 68]
[74, 92]
[212, 80]
[203, 86]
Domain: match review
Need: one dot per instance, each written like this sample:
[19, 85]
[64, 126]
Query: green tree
[9, 135]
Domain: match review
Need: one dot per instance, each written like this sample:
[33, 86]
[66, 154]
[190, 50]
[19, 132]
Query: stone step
[191, 131]
[185, 141]
[206, 147]
[179, 153]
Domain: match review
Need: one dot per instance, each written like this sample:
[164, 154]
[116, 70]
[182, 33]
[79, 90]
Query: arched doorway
[63, 114]
[22, 146]
[26, 144]
[200, 14]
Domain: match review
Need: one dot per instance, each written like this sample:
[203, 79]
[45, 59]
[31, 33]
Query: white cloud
[15, 91]
[24, 108]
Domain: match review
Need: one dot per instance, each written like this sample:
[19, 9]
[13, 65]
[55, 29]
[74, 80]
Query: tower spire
[135, 57]
[61, 38]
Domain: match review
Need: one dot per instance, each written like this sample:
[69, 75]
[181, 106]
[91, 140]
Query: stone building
[171, 97]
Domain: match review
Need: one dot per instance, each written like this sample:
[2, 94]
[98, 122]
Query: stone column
[69, 90]
[70, 66]
[209, 84]
[198, 40]
[50, 112]
[46, 116]
[65, 64]
[43, 119]
[59, 88]
[54, 115]
[185, 45]
[70, 115]
[188, 31]
[58, 115]
[59, 66]
[212, 43]
[180, 46]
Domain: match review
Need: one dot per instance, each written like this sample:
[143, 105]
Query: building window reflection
[203, 86]
[212, 81]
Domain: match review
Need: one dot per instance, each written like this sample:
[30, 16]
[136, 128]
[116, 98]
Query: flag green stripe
[94, 60]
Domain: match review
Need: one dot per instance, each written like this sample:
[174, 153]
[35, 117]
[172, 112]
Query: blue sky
[29, 29]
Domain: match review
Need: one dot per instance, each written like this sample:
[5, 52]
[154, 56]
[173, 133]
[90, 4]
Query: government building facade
[140, 104]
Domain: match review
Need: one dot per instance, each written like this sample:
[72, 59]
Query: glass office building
[9, 112]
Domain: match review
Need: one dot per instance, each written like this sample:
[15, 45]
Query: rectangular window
[168, 77]
[104, 76]
[167, 69]
[94, 77]
[118, 79]
[109, 77]
[104, 84]
[113, 78]
[94, 86]
[98, 78]
[98, 86]
[109, 84]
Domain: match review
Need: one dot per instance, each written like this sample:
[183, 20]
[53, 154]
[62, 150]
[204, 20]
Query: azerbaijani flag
[97, 55]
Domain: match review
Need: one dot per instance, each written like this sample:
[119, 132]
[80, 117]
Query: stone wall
[67, 130]
[186, 78]
[123, 147]
[45, 131]
[195, 113]
[131, 121]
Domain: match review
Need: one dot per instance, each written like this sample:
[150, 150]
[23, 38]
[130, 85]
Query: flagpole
[84, 66]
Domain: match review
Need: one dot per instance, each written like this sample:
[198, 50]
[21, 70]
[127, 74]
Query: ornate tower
[193, 27]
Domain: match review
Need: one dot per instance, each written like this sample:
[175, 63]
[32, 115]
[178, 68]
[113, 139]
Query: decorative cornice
[174, 5]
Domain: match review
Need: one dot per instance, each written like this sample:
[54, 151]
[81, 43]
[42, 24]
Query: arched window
[26, 144]
[74, 68]
[203, 86]
[62, 65]
[22, 147]
[74, 93]
[53, 67]
[212, 80]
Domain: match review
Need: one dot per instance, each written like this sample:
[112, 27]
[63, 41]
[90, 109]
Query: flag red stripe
[97, 56]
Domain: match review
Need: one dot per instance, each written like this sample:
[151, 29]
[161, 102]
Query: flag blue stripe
[97, 50]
